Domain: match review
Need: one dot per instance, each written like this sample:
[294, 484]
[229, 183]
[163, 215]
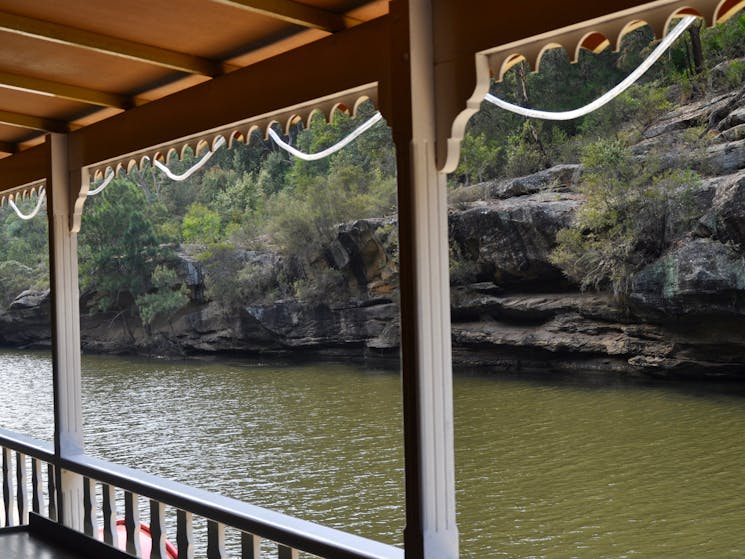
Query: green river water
[545, 467]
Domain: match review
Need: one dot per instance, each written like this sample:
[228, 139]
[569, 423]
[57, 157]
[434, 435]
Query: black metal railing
[102, 481]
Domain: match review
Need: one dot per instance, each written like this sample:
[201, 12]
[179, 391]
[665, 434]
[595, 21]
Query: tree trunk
[694, 32]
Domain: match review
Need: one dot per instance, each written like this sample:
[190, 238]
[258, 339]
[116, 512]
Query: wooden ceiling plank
[65, 91]
[109, 45]
[296, 13]
[33, 122]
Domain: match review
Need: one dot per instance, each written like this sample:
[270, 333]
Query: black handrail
[27, 445]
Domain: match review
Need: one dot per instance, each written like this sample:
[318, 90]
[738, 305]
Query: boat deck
[21, 544]
[42, 539]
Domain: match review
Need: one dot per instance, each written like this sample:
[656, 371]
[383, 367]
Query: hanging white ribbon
[194, 168]
[605, 98]
[26, 217]
[369, 123]
[103, 185]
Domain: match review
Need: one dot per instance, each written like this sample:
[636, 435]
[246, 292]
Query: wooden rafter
[109, 45]
[34, 122]
[25, 167]
[65, 91]
[294, 12]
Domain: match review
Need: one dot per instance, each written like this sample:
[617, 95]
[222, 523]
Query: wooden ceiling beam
[65, 91]
[25, 167]
[283, 81]
[113, 46]
[296, 13]
[34, 122]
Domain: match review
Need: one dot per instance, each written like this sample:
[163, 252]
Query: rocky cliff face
[511, 307]
[687, 309]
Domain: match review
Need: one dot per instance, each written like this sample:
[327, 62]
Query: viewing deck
[84, 94]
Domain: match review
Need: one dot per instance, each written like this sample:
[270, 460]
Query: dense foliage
[256, 197]
[250, 197]
[634, 210]
[24, 260]
[502, 144]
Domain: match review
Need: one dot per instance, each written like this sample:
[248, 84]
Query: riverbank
[513, 308]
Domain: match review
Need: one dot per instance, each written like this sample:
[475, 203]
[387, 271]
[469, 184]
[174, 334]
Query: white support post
[63, 267]
[431, 531]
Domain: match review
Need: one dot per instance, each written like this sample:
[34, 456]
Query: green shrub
[14, 278]
[201, 225]
[524, 155]
[221, 264]
[258, 284]
[632, 213]
[480, 157]
[168, 295]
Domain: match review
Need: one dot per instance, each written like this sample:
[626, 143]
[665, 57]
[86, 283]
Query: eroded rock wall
[511, 307]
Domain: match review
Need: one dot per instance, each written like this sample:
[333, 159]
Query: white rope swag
[26, 217]
[377, 117]
[170, 174]
[194, 168]
[605, 98]
[364, 127]
[221, 142]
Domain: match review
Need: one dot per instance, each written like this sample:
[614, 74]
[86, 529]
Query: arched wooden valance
[460, 68]
[327, 107]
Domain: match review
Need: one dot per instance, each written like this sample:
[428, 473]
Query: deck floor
[44, 539]
[24, 545]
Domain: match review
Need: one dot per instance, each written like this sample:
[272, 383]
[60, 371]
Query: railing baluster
[89, 506]
[52, 492]
[132, 522]
[184, 534]
[7, 488]
[2, 487]
[133, 488]
[215, 540]
[37, 486]
[157, 527]
[21, 488]
[250, 546]
[284, 552]
[110, 535]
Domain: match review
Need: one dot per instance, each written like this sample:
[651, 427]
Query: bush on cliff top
[634, 210]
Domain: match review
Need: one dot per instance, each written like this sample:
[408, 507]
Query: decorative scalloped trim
[243, 132]
[591, 35]
[21, 193]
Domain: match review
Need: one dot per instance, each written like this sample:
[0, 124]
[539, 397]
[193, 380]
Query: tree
[168, 294]
[119, 249]
[479, 157]
[201, 225]
[633, 212]
[14, 278]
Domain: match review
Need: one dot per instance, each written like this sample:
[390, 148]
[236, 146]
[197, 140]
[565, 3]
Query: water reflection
[547, 466]
[619, 469]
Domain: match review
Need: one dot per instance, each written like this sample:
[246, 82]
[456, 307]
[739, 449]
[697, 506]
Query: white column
[63, 268]
[428, 351]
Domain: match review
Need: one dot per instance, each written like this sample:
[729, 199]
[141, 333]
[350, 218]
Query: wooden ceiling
[130, 79]
[67, 64]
